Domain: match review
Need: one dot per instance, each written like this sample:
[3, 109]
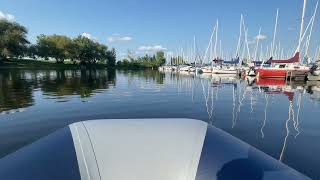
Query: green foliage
[13, 44]
[55, 46]
[146, 61]
[80, 48]
[160, 58]
[31, 51]
[13, 39]
[112, 58]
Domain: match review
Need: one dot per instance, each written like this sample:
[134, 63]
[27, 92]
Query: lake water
[279, 118]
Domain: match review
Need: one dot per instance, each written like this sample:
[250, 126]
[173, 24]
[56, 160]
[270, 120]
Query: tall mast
[302, 24]
[246, 37]
[209, 45]
[194, 51]
[274, 33]
[239, 40]
[309, 37]
[211, 49]
[216, 41]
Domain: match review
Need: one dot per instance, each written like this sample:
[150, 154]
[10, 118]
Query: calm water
[280, 119]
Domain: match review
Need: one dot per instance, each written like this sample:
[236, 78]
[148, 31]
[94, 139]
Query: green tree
[13, 39]
[85, 49]
[145, 61]
[160, 58]
[111, 58]
[31, 51]
[58, 47]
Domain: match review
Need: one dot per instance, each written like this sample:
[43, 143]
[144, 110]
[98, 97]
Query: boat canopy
[294, 59]
[233, 61]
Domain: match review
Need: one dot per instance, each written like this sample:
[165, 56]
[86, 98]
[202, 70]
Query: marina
[300, 66]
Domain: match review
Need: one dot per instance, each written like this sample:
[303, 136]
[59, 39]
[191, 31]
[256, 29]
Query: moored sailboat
[280, 68]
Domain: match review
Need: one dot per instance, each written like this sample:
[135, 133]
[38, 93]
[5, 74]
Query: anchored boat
[280, 68]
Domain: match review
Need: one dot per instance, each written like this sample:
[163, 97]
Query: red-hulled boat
[280, 68]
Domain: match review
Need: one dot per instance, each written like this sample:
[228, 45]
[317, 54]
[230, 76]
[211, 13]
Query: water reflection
[84, 83]
[15, 91]
[17, 87]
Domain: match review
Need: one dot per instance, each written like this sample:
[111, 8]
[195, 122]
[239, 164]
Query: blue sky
[169, 24]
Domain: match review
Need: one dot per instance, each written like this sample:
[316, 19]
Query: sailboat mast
[194, 51]
[216, 41]
[239, 40]
[248, 49]
[309, 37]
[302, 24]
[274, 33]
[209, 45]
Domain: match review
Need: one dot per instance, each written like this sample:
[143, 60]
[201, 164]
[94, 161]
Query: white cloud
[87, 35]
[261, 37]
[152, 48]
[8, 17]
[118, 38]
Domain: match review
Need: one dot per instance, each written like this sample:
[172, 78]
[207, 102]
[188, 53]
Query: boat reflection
[278, 87]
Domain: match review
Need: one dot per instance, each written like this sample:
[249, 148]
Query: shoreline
[36, 64]
[41, 64]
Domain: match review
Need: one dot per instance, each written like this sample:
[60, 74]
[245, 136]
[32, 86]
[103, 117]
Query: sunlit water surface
[278, 118]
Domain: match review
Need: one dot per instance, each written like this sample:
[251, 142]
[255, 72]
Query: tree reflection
[82, 82]
[147, 75]
[15, 91]
[17, 86]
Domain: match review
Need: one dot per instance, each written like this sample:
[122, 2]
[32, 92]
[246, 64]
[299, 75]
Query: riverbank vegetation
[15, 48]
[143, 62]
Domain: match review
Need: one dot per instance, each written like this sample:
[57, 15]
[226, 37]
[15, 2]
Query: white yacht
[184, 68]
[224, 70]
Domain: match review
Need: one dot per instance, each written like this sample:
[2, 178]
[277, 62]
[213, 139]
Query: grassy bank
[38, 64]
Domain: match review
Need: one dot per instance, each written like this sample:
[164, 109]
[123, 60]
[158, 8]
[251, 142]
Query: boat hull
[276, 73]
[271, 73]
[224, 71]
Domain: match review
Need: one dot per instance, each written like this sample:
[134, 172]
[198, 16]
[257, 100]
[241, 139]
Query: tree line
[14, 45]
[146, 61]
